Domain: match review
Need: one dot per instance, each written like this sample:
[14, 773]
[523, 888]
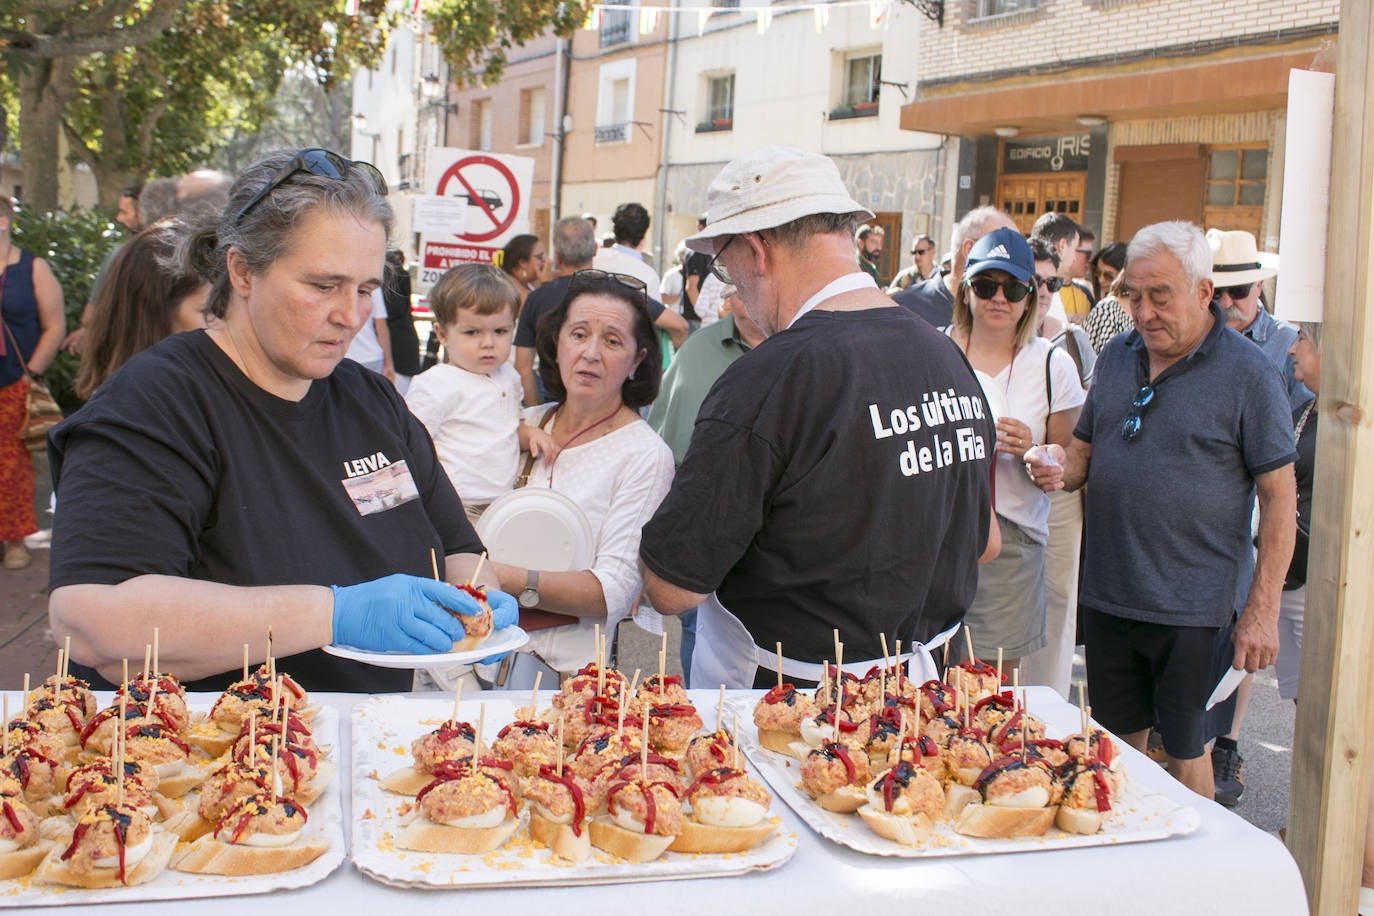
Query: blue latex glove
[505, 612]
[400, 613]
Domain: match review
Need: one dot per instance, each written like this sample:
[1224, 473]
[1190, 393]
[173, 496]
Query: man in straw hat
[1239, 270]
[1183, 422]
[837, 476]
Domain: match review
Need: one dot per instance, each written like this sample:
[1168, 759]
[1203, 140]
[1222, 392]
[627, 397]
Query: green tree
[148, 86]
[475, 34]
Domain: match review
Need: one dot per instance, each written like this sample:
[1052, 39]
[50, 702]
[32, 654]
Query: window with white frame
[615, 101]
[481, 124]
[720, 99]
[532, 116]
[983, 9]
[862, 73]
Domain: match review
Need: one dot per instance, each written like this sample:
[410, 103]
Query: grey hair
[974, 226]
[1181, 239]
[1313, 330]
[797, 233]
[574, 242]
[158, 200]
[265, 232]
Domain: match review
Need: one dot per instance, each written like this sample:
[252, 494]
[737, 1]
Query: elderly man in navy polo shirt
[1184, 421]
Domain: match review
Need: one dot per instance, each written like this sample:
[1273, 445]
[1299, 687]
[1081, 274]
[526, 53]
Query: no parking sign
[496, 189]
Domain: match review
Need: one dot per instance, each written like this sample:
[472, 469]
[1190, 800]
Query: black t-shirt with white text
[838, 476]
[181, 466]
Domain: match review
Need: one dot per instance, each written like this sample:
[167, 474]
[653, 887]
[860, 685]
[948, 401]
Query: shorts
[1291, 607]
[1008, 611]
[1145, 674]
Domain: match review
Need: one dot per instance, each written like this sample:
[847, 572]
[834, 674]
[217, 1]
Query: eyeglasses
[1235, 292]
[1051, 284]
[321, 163]
[986, 288]
[1133, 422]
[591, 279]
[717, 269]
[920, 251]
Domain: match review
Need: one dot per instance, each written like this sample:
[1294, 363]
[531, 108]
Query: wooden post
[1329, 795]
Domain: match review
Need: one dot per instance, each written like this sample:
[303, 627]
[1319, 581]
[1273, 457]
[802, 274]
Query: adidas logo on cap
[999, 252]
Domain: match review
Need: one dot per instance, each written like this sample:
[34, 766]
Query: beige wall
[585, 159]
[530, 67]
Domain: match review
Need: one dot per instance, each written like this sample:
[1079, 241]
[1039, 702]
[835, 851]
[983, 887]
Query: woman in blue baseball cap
[1035, 393]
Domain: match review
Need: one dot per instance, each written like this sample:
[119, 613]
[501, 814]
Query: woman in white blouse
[599, 360]
[994, 323]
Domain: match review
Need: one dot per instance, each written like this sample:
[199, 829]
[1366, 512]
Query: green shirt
[689, 378]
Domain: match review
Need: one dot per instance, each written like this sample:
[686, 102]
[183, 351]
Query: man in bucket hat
[838, 474]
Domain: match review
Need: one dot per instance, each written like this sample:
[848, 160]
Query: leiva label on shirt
[930, 447]
[375, 484]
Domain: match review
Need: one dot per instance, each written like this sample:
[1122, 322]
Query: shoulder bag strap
[524, 477]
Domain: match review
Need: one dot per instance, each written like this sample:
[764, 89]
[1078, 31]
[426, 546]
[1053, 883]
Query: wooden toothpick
[779, 665]
[434, 563]
[477, 570]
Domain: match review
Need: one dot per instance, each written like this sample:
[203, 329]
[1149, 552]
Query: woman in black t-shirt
[247, 477]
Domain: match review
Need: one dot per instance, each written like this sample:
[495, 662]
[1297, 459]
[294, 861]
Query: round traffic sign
[497, 198]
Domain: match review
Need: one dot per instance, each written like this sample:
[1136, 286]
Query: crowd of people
[965, 446]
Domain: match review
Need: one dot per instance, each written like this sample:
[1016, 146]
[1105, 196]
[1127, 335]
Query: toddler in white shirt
[470, 403]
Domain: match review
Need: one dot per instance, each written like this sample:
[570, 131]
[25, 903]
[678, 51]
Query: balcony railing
[613, 133]
[616, 26]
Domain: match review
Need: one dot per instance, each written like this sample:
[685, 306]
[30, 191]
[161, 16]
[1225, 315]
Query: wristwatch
[530, 596]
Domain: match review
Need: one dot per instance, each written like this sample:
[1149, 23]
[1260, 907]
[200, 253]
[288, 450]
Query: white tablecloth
[1227, 866]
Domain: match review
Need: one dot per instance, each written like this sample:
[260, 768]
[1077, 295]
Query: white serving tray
[383, 728]
[1139, 816]
[325, 820]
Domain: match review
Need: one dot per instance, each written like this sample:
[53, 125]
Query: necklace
[577, 435]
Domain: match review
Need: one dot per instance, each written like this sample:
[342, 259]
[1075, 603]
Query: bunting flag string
[649, 14]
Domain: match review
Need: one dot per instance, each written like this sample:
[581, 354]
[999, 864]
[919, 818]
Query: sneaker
[1226, 774]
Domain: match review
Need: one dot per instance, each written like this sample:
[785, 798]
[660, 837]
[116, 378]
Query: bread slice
[699, 837]
[771, 739]
[186, 777]
[52, 870]
[633, 847]
[22, 862]
[560, 839]
[405, 781]
[993, 821]
[908, 831]
[423, 835]
[209, 856]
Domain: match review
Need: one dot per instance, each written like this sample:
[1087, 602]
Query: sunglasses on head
[1235, 292]
[321, 163]
[591, 278]
[986, 288]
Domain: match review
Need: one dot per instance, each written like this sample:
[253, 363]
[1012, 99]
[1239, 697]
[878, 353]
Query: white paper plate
[1140, 815]
[537, 528]
[326, 822]
[383, 728]
[503, 640]
[997, 401]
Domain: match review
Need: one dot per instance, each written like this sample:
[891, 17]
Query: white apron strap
[724, 652]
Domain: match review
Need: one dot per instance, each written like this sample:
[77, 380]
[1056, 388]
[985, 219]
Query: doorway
[1027, 197]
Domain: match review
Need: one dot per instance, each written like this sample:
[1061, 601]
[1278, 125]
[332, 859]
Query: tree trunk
[44, 87]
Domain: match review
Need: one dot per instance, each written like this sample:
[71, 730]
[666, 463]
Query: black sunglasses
[718, 269]
[591, 279]
[321, 163]
[986, 288]
[1052, 284]
[1131, 427]
[1235, 292]
[921, 251]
